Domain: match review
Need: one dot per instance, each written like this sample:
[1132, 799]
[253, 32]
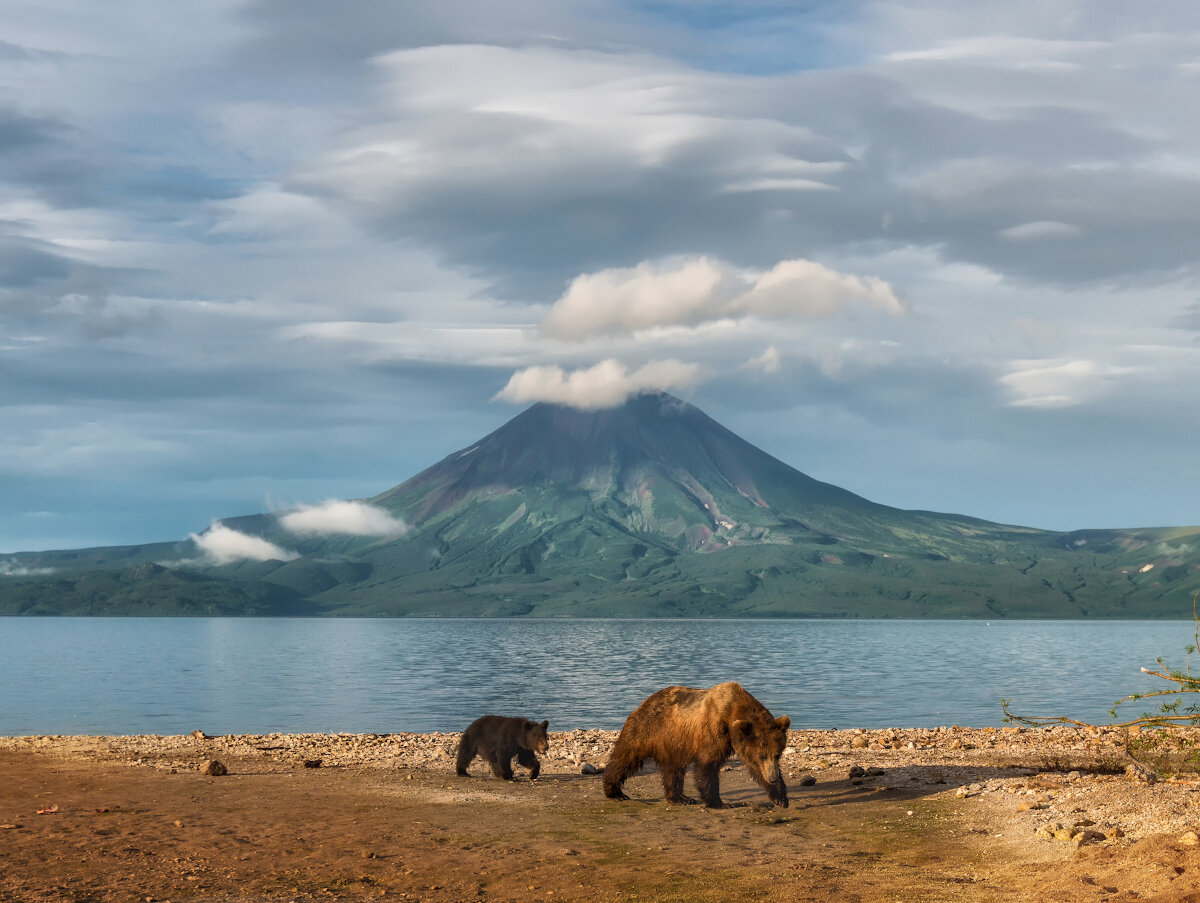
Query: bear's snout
[777, 792]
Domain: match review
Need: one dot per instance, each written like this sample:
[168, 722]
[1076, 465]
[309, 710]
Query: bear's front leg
[502, 768]
[530, 761]
[672, 778]
[708, 782]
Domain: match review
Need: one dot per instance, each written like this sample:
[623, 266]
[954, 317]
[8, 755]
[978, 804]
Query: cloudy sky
[263, 254]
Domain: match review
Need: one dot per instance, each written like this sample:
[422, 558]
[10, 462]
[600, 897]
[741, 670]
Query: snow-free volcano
[646, 509]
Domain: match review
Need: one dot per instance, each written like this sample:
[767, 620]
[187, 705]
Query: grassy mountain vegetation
[647, 510]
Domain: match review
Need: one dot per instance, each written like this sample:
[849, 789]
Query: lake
[233, 675]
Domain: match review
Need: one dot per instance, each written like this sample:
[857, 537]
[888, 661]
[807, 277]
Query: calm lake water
[172, 676]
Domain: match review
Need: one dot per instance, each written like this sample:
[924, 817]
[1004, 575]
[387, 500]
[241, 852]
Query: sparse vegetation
[1172, 711]
[1158, 738]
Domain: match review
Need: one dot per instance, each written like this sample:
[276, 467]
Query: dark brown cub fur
[681, 726]
[496, 739]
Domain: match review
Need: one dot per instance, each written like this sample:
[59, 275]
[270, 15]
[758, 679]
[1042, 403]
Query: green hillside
[647, 510]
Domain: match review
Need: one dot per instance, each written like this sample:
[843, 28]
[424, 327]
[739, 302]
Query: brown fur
[681, 726]
[496, 739]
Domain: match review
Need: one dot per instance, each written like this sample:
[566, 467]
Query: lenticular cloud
[347, 518]
[224, 545]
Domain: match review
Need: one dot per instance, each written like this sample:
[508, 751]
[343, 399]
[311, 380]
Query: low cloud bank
[224, 545]
[341, 517]
[606, 385]
[16, 569]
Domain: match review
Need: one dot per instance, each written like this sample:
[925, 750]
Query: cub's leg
[466, 752]
[502, 767]
[530, 761]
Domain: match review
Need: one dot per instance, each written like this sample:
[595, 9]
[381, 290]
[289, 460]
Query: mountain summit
[647, 509]
[654, 465]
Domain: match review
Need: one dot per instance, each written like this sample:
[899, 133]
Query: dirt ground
[964, 815]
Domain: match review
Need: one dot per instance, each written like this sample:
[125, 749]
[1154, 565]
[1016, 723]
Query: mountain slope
[654, 509]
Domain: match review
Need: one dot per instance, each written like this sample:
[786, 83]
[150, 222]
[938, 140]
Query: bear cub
[496, 739]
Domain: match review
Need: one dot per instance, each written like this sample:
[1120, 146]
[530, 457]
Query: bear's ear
[545, 724]
[783, 722]
[745, 728]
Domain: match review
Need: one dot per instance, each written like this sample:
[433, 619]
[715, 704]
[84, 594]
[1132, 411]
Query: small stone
[1140, 773]
[807, 781]
[857, 771]
[1114, 833]
[859, 743]
[312, 763]
[1074, 776]
[1190, 838]
[589, 768]
[1026, 805]
[215, 769]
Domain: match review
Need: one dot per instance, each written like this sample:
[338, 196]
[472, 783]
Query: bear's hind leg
[530, 761]
[466, 752]
[708, 782]
[672, 779]
[621, 765]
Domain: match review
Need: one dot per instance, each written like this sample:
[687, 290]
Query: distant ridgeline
[650, 509]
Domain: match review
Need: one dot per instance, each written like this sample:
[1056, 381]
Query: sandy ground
[938, 815]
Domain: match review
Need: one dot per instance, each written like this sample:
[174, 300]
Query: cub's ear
[784, 722]
[745, 728]
[545, 724]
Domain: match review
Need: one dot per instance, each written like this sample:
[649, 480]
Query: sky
[271, 254]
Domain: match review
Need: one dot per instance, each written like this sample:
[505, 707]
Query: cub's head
[535, 736]
[759, 741]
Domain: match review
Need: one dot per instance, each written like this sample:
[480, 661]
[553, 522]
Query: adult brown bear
[680, 726]
[497, 739]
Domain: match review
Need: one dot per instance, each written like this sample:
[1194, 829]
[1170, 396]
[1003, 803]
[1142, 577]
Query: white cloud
[629, 300]
[1040, 229]
[11, 568]
[607, 384]
[1056, 384]
[224, 545]
[336, 516]
[767, 362]
[700, 289]
[806, 289]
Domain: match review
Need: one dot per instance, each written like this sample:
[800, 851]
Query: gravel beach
[1052, 813]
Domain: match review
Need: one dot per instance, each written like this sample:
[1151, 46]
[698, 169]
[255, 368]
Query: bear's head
[534, 736]
[759, 741]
